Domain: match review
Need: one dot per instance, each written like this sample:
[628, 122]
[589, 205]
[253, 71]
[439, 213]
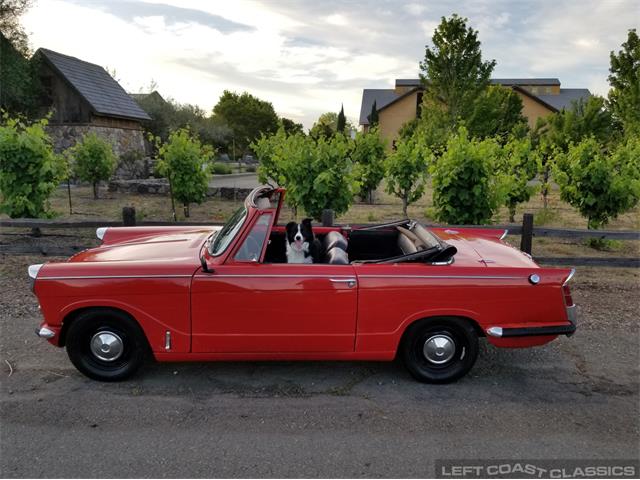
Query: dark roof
[565, 98]
[104, 95]
[138, 97]
[525, 81]
[408, 82]
[382, 97]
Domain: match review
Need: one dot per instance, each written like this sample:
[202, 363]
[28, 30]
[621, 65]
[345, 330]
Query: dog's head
[299, 234]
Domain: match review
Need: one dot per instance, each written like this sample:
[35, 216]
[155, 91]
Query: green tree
[318, 174]
[327, 126]
[467, 186]
[453, 70]
[497, 111]
[185, 162]
[584, 118]
[600, 186]
[368, 155]
[373, 117]
[341, 122]
[247, 116]
[93, 160]
[407, 170]
[520, 163]
[11, 12]
[291, 127]
[29, 170]
[624, 78]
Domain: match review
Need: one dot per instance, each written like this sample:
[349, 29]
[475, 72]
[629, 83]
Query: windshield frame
[228, 232]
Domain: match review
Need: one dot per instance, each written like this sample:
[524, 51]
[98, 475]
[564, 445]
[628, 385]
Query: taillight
[568, 301]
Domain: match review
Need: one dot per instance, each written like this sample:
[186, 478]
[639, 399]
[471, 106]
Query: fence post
[129, 216]
[327, 218]
[526, 240]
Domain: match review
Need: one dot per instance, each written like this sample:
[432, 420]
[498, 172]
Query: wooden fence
[526, 230]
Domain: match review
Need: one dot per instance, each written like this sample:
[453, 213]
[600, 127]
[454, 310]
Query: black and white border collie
[302, 245]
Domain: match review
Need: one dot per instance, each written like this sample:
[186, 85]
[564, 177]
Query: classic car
[184, 293]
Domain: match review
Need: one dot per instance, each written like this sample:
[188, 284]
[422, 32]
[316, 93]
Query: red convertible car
[227, 293]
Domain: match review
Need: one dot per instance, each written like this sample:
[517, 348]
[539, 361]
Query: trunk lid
[484, 246]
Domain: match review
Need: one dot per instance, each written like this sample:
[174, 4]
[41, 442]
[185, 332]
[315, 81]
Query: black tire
[113, 326]
[440, 350]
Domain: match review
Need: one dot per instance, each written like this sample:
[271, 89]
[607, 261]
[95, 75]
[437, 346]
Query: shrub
[407, 170]
[368, 157]
[93, 160]
[317, 175]
[467, 188]
[519, 163]
[250, 168]
[29, 170]
[600, 186]
[219, 168]
[184, 161]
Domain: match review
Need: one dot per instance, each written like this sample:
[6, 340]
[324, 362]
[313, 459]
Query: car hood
[484, 246]
[137, 245]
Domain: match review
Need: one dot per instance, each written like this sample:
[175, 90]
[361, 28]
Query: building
[82, 97]
[540, 97]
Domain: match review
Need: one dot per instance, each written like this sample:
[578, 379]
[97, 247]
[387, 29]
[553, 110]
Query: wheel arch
[435, 317]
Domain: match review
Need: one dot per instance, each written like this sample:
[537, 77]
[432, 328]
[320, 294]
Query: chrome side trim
[44, 332]
[494, 331]
[573, 272]
[100, 232]
[93, 277]
[480, 277]
[215, 275]
[504, 235]
[167, 340]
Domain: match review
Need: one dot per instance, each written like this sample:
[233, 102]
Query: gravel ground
[577, 398]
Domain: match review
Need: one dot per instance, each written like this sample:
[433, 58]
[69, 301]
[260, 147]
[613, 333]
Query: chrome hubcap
[439, 349]
[106, 346]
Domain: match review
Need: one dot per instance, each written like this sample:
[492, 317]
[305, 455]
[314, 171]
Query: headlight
[33, 273]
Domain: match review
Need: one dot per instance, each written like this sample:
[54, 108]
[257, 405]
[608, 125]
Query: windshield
[228, 232]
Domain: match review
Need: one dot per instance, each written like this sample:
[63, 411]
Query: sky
[310, 56]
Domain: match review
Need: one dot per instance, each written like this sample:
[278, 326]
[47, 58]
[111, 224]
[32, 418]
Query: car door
[246, 306]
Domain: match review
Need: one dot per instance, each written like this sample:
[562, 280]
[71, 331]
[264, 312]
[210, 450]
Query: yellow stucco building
[398, 105]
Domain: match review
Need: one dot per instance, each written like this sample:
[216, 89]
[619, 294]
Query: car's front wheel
[440, 350]
[106, 345]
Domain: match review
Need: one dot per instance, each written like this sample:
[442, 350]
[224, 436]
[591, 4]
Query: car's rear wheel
[106, 345]
[440, 350]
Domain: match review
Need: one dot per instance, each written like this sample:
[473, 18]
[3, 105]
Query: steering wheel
[250, 250]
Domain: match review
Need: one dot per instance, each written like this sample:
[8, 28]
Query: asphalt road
[575, 398]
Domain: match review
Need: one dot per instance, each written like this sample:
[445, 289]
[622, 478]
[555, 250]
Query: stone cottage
[82, 97]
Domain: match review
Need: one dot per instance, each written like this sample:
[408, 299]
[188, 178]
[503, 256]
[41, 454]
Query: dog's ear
[306, 226]
[291, 228]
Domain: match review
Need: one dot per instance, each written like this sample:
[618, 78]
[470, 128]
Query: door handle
[351, 282]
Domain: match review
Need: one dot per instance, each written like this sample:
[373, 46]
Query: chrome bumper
[44, 332]
[572, 314]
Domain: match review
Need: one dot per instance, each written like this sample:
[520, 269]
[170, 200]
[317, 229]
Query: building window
[418, 104]
[548, 90]
[534, 90]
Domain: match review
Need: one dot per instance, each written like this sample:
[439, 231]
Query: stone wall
[124, 140]
[160, 186]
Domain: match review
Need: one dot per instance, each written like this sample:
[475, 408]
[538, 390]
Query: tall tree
[342, 121]
[453, 70]
[373, 116]
[11, 12]
[291, 127]
[624, 96]
[247, 116]
[496, 112]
